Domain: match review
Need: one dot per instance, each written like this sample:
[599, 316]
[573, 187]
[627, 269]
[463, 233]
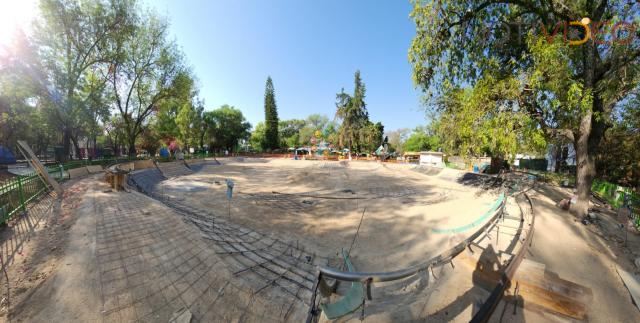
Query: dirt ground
[40, 246]
[57, 273]
[320, 204]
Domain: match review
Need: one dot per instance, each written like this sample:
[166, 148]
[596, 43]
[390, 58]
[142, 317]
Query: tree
[19, 110]
[69, 37]
[187, 123]
[270, 117]
[289, 132]
[150, 140]
[470, 125]
[420, 140]
[199, 124]
[352, 111]
[115, 135]
[371, 136]
[618, 158]
[257, 136]
[227, 126]
[397, 139]
[567, 89]
[146, 69]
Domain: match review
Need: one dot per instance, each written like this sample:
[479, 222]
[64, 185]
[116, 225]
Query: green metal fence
[613, 193]
[17, 193]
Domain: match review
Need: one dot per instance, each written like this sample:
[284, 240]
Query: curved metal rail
[492, 302]
[440, 259]
[367, 278]
[446, 257]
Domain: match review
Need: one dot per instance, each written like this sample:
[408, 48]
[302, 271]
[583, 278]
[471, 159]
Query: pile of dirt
[298, 178]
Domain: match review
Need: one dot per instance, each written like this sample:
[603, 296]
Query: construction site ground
[96, 255]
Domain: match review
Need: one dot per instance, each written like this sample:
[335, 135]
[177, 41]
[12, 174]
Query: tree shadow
[485, 276]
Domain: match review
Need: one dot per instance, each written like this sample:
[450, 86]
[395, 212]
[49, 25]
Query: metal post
[61, 172]
[21, 194]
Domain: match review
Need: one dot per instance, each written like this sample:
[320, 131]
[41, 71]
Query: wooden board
[37, 165]
[541, 290]
[143, 164]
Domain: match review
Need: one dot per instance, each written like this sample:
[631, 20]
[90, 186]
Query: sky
[311, 50]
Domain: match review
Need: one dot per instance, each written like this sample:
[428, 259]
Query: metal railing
[367, 278]
[18, 192]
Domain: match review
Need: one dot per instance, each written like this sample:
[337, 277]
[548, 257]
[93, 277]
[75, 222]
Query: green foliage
[356, 131]
[297, 133]
[271, 117]
[21, 117]
[289, 132]
[257, 137]
[226, 127]
[146, 69]
[420, 140]
[150, 141]
[618, 158]
[191, 125]
[484, 119]
[68, 39]
[371, 135]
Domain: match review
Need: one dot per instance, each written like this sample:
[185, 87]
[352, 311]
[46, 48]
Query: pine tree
[353, 111]
[271, 140]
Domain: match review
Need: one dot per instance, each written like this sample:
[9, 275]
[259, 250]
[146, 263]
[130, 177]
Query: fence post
[21, 194]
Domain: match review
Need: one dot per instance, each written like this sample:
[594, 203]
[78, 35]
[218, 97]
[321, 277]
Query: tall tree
[270, 117]
[19, 93]
[227, 126]
[69, 37]
[146, 69]
[352, 110]
[187, 123]
[568, 88]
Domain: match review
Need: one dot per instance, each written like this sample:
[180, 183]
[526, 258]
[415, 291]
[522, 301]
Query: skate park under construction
[282, 240]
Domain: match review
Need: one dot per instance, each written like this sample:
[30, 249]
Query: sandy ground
[59, 272]
[320, 204]
[47, 257]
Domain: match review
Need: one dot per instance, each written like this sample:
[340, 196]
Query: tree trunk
[76, 146]
[558, 157]
[132, 147]
[585, 164]
[95, 146]
[586, 137]
[66, 145]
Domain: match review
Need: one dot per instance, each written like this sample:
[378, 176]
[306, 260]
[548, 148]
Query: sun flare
[15, 14]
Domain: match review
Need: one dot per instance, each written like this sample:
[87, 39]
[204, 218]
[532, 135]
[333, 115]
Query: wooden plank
[37, 165]
[541, 290]
[551, 282]
[548, 301]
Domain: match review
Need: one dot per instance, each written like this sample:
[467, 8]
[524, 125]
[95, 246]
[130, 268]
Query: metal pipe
[445, 257]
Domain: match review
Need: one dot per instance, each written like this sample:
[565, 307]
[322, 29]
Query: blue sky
[310, 48]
